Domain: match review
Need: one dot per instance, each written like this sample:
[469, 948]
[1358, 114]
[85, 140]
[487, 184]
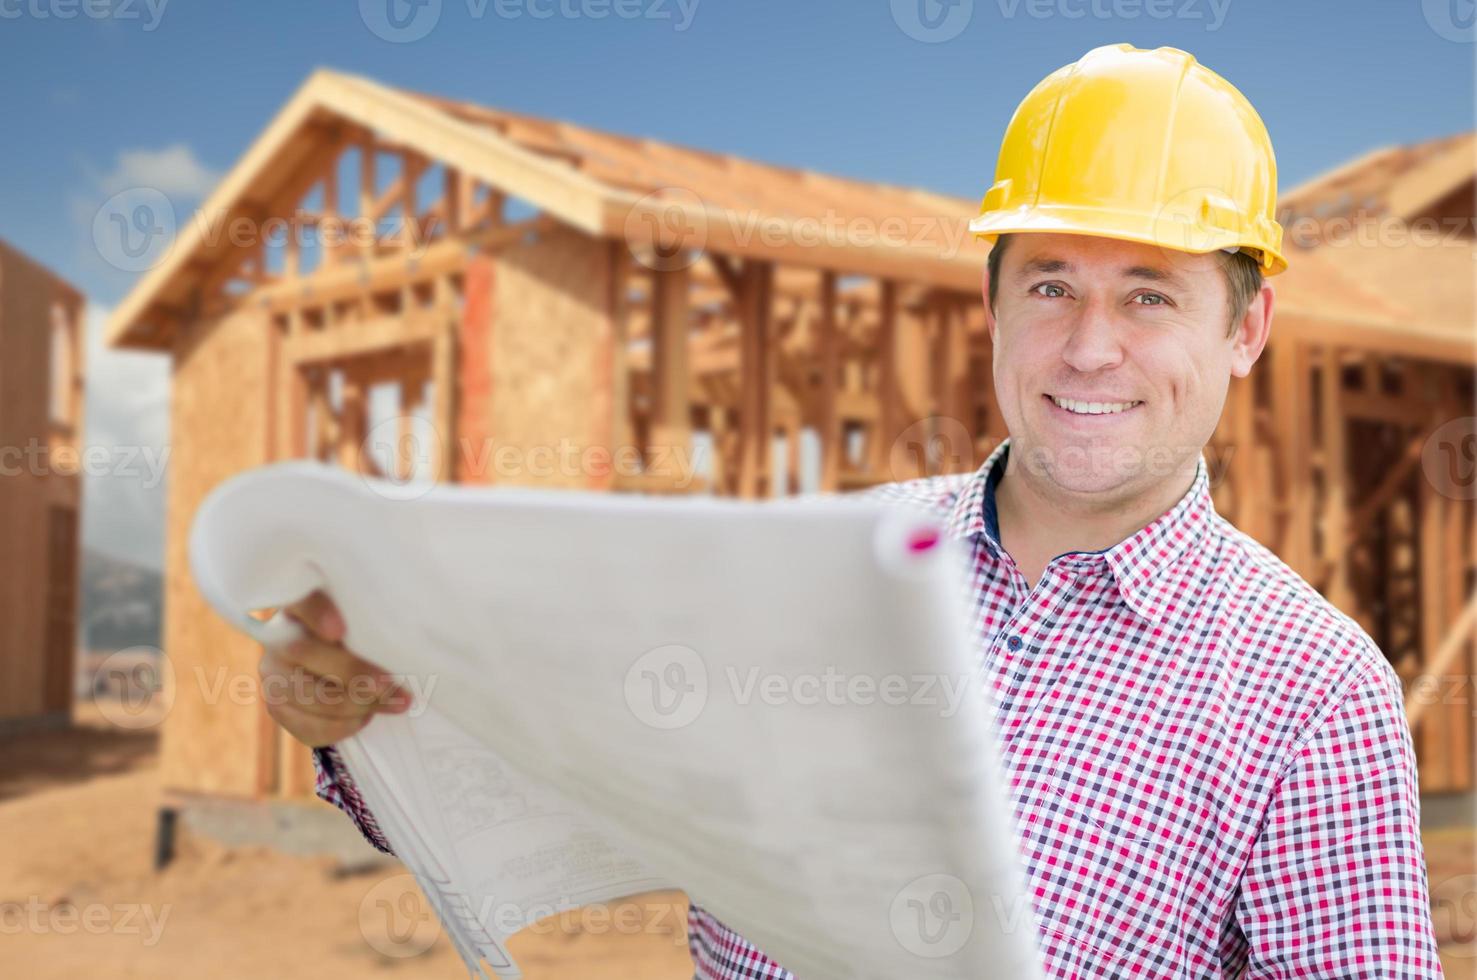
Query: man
[1210, 766]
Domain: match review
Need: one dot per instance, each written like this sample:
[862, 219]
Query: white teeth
[1092, 408]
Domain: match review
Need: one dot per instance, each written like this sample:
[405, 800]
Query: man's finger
[317, 696]
[313, 729]
[336, 664]
[319, 616]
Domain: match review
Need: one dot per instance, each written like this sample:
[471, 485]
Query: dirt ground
[78, 896]
[1451, 866]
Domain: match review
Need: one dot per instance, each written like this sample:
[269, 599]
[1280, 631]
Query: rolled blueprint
[772, 706]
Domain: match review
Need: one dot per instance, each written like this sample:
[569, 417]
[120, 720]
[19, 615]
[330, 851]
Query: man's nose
[1095, 342]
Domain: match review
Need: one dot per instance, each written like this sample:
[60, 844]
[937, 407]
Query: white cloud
[173, 170]
[171, 180]
[127, 409]
[127, 414]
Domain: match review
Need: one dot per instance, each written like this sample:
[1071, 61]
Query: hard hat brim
[1159, 230]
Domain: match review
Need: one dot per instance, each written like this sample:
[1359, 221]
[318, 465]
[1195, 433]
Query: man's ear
[985, 296]
[1251, 334]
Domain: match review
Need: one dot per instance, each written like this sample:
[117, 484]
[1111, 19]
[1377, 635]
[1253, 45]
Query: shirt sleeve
[1336, 886]
[335, 785]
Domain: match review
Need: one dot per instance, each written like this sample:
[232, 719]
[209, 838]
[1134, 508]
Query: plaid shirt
[1210, 766]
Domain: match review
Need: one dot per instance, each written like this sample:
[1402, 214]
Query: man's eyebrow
[1152, 274]
[1035, 266]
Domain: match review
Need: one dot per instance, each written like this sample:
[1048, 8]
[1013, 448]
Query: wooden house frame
[41, 399]
[529, 283]
[1382, 513]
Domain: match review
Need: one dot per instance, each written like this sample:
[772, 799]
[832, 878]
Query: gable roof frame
[558, 190]
[551, 182]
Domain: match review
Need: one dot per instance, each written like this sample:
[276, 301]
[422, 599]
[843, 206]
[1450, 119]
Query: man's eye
[1150, 299]
[1049, 289]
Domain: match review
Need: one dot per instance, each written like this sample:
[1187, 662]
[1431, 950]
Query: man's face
[1112, 360]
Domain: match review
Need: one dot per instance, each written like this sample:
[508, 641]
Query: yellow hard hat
[1145, 146]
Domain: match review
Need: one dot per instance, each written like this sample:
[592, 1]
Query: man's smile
[1097, 409]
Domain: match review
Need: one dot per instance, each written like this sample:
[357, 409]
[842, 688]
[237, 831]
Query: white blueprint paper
[772, 706]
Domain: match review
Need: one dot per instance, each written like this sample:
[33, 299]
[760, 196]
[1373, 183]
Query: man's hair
[1243, 279]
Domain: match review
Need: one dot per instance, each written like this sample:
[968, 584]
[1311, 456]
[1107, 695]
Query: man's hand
[316, 689]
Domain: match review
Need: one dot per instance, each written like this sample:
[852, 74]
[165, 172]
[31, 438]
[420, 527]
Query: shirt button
[1014, 643]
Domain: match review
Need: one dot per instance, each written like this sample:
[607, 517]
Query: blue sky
[101, 94]
[836, 85]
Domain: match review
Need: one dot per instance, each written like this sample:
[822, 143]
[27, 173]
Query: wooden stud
[889, 395]
[829, 365]
[1248, 510]
[349, 453]
[957, 404]
[671, 428]
[367, 215]
[756, 379]
[444, 401]
[1434, 732]
[330, 210]
[1292, 413]
[1335, 480]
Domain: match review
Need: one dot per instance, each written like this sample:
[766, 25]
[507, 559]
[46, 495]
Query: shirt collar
[1137, 563]
[968, 516]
